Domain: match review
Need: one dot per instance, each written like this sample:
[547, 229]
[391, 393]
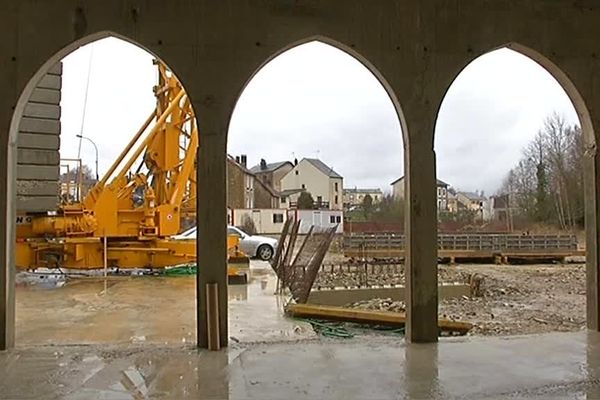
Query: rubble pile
[505, 300]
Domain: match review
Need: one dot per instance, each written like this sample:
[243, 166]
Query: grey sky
[315, 100]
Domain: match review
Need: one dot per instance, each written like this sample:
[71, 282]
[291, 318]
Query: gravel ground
[514, 299]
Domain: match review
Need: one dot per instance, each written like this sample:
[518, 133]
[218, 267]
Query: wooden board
[370, 317]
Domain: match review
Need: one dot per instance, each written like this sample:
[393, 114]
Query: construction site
[141, 259]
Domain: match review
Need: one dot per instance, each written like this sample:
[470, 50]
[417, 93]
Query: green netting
[182, 270]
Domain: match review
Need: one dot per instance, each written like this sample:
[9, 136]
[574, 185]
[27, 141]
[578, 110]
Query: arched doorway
[100, 122]
[315, 102]
[511, 138]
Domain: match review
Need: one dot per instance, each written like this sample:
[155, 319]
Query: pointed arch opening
[101, 157]
[511, 140]
[316, 136]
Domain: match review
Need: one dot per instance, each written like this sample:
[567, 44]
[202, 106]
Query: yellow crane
[128, 218]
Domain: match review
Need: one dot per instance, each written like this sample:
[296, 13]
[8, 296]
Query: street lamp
[96, 148]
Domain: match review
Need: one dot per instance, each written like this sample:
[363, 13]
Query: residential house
[240, 183]
[272, 173]
[321, 181]
[355, 196]
[441, 192]
[476, 202]
[244, 190]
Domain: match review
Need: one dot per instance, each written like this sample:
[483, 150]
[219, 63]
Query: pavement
[132, 338]
[549, 366]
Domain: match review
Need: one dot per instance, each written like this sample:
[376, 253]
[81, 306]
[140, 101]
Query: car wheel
[264, 252]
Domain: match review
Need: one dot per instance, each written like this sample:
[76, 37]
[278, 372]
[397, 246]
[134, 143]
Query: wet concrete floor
[145, 309]
[549, 366]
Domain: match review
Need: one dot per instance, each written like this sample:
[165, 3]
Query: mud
[145, 309]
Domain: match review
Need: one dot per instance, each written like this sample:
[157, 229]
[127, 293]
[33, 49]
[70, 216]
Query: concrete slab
[342, 296]
[38, 141]
[551, 366]
[50, 81]
[38, 188]
[35, 125]
[38, 172]
[38, 157]
[38, 110]
[45, 96]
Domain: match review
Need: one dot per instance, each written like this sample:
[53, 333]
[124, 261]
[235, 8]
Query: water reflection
[421, 371]
[593, 364]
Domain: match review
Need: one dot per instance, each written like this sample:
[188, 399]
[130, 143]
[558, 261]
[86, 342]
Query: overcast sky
[317, 101]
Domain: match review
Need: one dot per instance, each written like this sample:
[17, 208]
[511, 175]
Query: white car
[261, 247]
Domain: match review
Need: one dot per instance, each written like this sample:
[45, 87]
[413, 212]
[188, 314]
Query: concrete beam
[342, 296]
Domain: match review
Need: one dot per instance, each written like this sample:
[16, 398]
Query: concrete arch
[344, 48]
[591, 172]
[7, 313]
[56, 57]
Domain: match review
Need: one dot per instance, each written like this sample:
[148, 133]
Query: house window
[332, 219]
[319, 199]
[284, 199]
[338, 219]
[336, 186]
[336, 199]
[278, 218]
[303, 186]
[296, 172]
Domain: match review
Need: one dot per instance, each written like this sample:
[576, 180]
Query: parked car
[255, 246]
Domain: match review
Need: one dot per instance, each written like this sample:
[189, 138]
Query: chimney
[244, 160]
[237, 159]
[263, 164]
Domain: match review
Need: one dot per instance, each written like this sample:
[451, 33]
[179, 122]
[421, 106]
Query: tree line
[546, 185]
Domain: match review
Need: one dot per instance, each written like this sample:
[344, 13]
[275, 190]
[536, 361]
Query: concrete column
[421, 234]
[592, 215]
[7, 247]
[212, 223]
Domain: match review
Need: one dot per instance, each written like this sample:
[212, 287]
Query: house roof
[355, 190]
[324, 168]
[439, 182]
[232, 160]
[289, 192]
[270, 167]
[472, 196]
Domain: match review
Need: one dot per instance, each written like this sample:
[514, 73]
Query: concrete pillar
[212, 223]
[421, 234]
[7, 240]
[592, 215]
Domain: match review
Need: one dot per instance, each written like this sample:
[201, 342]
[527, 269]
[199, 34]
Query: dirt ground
[513, 299]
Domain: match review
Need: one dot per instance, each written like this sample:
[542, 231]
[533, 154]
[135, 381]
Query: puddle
[54, 309]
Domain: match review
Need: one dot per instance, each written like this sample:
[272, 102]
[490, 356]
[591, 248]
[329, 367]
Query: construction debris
[298, 273]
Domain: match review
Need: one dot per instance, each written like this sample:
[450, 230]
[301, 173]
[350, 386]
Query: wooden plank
[370, 317]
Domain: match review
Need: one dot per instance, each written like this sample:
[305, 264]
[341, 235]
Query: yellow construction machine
[130, 218]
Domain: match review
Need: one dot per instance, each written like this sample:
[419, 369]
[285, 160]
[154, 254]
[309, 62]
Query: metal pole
[96, 149]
